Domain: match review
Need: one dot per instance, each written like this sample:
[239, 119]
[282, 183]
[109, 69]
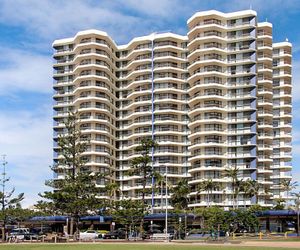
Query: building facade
[217, 98]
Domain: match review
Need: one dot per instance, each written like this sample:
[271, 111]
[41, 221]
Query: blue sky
[28, 29]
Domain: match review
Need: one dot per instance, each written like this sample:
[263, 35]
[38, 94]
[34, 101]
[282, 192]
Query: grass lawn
[124, 247]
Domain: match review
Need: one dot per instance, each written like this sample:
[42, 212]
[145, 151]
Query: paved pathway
[252, 243]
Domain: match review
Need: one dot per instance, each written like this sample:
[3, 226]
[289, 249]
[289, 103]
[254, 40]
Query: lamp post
[179, 229]
[166, 222]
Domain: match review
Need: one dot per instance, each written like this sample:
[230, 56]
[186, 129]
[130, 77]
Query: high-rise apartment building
[216, 98]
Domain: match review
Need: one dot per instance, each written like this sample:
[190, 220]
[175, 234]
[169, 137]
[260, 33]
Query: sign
[101, 219]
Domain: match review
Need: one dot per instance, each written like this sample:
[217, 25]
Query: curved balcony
[204, 49]
[205, 61]
[203, 132]
[215, 96]
[212, 24]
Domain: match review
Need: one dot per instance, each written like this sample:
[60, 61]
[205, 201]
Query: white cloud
[52, 18]
[159, 8]
[26, 139]
[23, 70]
[270, 7]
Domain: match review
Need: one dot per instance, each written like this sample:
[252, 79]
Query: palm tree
[208, 186]
[180, 197]
[288, 185]
[112, 188]
[251, 189]
[278, 204]
[232, 173]
[160, 181]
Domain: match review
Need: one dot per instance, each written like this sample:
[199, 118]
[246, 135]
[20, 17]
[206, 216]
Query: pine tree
[142, 166]
[128, 213]
[76, 193]
[8, 202]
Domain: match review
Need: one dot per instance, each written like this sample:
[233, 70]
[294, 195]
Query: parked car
[197, 235]
[149, 233]
[116, 234]
[23, 234]
[88, 235]
[290, 227]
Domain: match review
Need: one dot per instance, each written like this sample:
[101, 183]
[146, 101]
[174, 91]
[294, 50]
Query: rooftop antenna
[250, 6]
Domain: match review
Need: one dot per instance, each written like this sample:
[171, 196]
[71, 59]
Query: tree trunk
[143, 201]
[185, 223]
[72, 226]
[3, 233]
[233, 196]
[287, 199]
[208, 199]
[4, 220]
[76, 220]
[126, 232]
[161, 197]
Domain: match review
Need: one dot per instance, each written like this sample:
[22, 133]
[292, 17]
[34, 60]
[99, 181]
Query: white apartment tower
[216, 98]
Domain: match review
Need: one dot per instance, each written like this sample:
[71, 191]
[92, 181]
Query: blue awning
[49, 218]
[97, 218]
[64, 218]
[160, 216]
[269, 213]
[157, 216]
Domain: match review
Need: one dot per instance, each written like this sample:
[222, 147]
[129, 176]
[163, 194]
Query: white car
[88, 235]
[20, 233]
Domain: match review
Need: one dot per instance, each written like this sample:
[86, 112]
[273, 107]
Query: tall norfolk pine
[8, 203]
[76, 194]
[142, 166]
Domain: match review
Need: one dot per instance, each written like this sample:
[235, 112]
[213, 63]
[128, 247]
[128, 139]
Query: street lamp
[179, 228]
